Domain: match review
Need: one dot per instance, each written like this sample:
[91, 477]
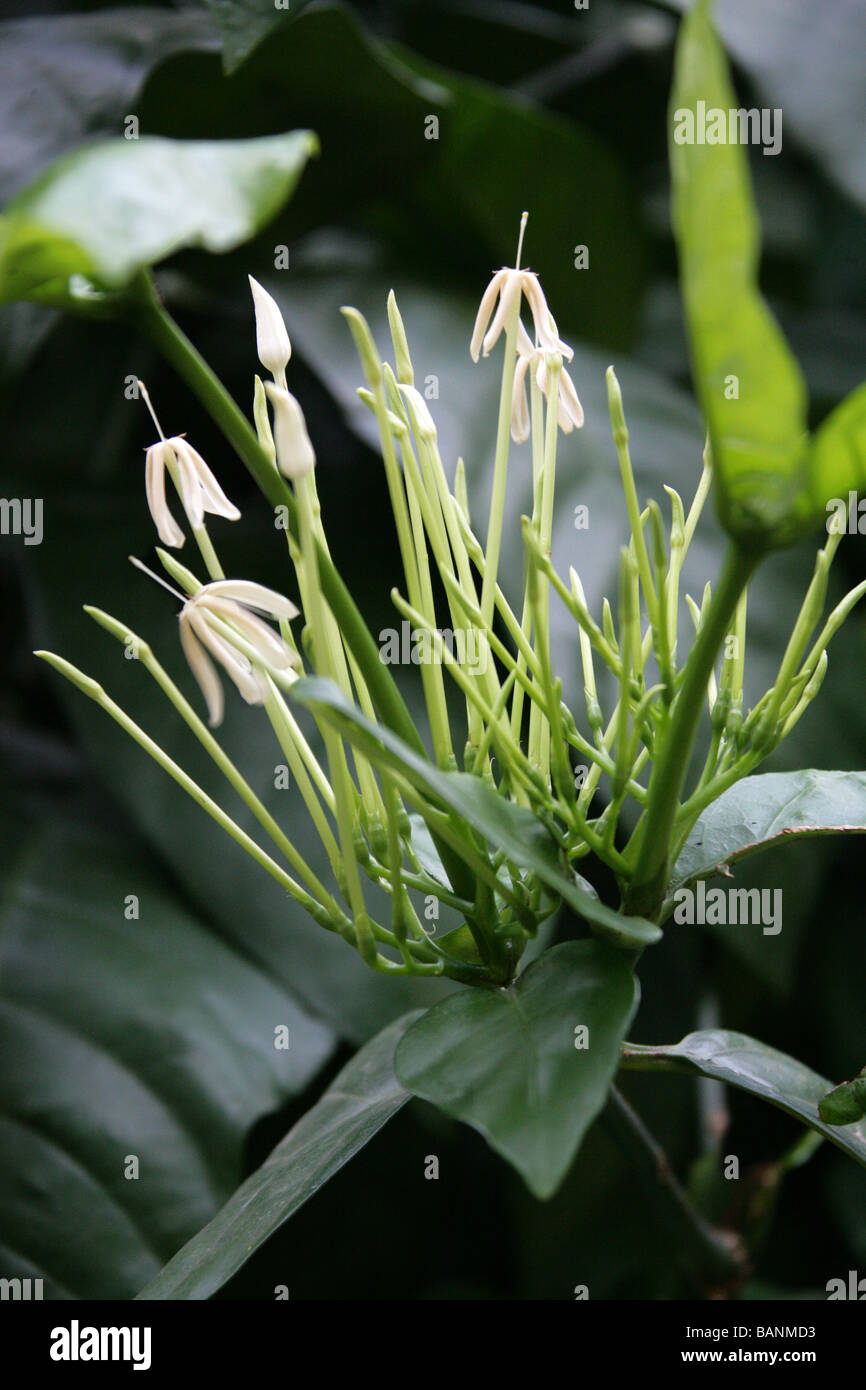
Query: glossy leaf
[749, 384]
[354, 1108]
[109, 210]
[125, 1037]
[767, 809]
[88, 70]
[754, 1067]
[509, 827]
[512, 1063]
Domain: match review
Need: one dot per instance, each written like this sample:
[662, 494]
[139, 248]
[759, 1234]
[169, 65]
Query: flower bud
[295, 455]
[272, 340]
[402, 359]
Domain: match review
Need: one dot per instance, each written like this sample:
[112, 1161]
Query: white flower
[198, 488]
[272, 339]
[569, 409]
[295, 453]
[506, 286]
[217, 620]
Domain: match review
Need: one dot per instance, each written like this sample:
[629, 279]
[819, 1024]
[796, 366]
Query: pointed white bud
[295, 454]
[272, 340]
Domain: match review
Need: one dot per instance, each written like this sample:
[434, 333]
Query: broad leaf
[515, 1063]
[509, 827]
[753, 1067]
[436, 161]
[244, 23]
[109, 210]
[354, 1108]
[766, 809]
[125, 1037]
[87, 70]
[749, 385]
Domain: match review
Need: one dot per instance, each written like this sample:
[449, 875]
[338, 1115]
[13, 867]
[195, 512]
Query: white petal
[568, 397]
[272, 340]
[202, 668]
[545, 325]
[187, 483]
[254, 596]
[237, 667]
[519, 408]
[154, 486]
[525, 347]
[510, 291]
[485, 309]
[214, 499]
[268, 645]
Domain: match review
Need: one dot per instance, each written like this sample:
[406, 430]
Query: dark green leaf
[509, 827]
[764, 810]
[112, 209]
[749, 385]
[754, 1067]
[124, 1036]
[244, 23]
[438, 191]
[87, 70]
[509, 1062]
[358, 1103]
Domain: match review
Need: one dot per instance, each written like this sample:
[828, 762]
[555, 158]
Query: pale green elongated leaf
[768, 808]
[837, 463]
[749, 384]
[504, 824]
[111, 209]
[513, 1063]
[354, 1108]
[812, 72]
[754, 1067]
[125, 1037]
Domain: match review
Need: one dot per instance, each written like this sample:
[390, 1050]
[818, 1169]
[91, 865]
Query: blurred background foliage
[154, 1037]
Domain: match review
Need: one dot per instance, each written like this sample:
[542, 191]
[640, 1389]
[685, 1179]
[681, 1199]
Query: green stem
[654, 832]
[709, 1253]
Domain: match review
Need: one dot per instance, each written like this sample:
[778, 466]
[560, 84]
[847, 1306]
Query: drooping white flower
[295, 453]
[272, 339]
[218, 622]
[198, 488]
[510, 284]
[506, 286]
[534, 360]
